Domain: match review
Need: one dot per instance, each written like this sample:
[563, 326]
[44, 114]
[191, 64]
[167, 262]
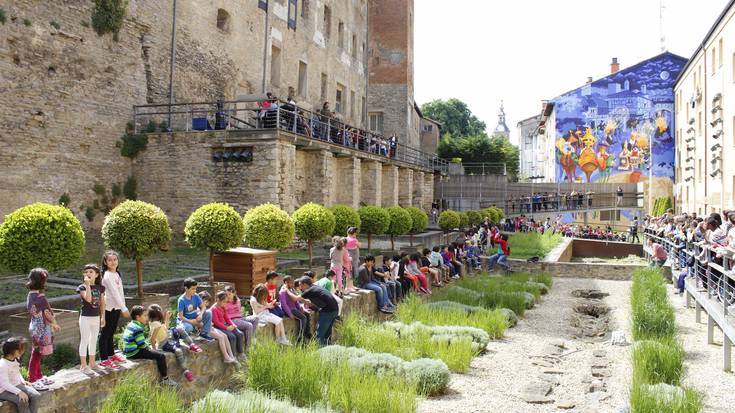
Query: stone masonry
[390, 185]
[405, 186]
[372, 183]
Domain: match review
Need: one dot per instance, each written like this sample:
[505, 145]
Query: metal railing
[710, 281]
[257, 114]
[567, 203]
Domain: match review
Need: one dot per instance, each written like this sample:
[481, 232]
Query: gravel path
[496, 379]
[703, 361]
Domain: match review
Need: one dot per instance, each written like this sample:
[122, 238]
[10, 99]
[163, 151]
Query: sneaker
[189, 376]
[230, 361]
[169, 382]
[195, 349]
[38, 386]
[206, 337]
[283, 341]
[386, 310]
[109, 364]
[242, 357]
[46, 381]
[118, 358]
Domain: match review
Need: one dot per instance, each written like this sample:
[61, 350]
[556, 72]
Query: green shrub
[268, 227]
[449, 220]
[27, 22]
[55, 25]
[131, 144]
[219, 401]
[657, 362]
[2, 16]
[130, 188]
[136, 229]
[475, 217]
[659, 398]
[400, 223]
[651, 314]
[40, 235]
[64, 200]
[214, 227]
[518, 302]
[493, 322]
[419, 220]
[344, 217]
[136, 394]
[532, 244]
[464, 219]
[108, 16]
[313, 222]
[305, 379]
[373, 221]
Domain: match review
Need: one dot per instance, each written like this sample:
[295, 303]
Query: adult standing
[324, 302]
[619, 193]
[633, 230]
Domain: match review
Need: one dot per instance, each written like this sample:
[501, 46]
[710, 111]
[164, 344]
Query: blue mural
[612, 129]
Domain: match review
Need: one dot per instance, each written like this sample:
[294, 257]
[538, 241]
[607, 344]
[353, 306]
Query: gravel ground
[496, 379]
[703, 361]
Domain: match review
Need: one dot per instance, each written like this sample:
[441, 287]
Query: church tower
[502, 128]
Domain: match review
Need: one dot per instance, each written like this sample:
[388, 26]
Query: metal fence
[253, 114]
[709, 281]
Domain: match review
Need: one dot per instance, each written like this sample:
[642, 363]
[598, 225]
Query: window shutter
[292, 7]
[263, 4]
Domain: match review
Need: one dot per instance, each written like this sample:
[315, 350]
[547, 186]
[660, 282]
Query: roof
[436, 122]
[711, 30]
[536, 118]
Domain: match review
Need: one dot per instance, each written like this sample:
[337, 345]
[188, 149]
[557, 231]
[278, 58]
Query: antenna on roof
[662, 38]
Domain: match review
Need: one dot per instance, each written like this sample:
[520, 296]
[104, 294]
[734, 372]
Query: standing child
[135, 345]
[114, 308]
[291, 305]
[12, 386]
[248, 325]
[224, 324]
[261, 308]
[92, 294]
[271, 284]
[347, 265]
[224, 343]
[42, 327]
[165, 339]
[353, 248]
[336, 262]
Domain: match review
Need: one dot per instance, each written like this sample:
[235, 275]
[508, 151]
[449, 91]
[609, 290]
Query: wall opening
[275, 66]
[339, 99]
[327, 24]
[302, 79]
[223, 20]
[323, 94]
[341, 35]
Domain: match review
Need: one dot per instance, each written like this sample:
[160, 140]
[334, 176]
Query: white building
[705, 119]
[532, 156]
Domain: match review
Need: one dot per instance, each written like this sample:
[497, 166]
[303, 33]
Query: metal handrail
[251, 114]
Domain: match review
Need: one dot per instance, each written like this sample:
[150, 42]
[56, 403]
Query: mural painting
[616, 128]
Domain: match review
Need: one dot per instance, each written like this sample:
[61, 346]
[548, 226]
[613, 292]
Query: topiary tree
[464, 219]
[214, 227]
[344, 217]
[475, 217]
[373, 220]
[268, 227]
[449, 220]
[400, 223]
[419, 221]
[493, 214]
[499, 214]
[40, 235]
[136, 229]
[313, 222]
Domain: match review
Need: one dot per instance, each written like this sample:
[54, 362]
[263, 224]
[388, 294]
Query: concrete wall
[605, 249]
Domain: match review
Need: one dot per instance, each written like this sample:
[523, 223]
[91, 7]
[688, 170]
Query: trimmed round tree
[373, 221]
[214, 227]
[419, 221]
[344, 217]
[40, 235]
[136, 229]
[464, 220]
[268, 227]
[400, 223]
[475, 217]
[313, 222]
[449, 220]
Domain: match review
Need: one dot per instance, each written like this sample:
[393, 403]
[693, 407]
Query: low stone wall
[74, 392]
[605, 249]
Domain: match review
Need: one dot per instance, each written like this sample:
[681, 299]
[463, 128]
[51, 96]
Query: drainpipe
[266, 39]
[171, 68]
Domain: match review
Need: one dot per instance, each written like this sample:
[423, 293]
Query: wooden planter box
[244, 267]
[68, 321]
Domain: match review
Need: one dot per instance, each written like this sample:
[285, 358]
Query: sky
[525, 51]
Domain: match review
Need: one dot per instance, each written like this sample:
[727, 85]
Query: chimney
[543, 105]
[614, 66]
[589, 79]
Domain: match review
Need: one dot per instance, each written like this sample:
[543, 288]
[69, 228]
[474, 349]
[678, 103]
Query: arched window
[223, 20]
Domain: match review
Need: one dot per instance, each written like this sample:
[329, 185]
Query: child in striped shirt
[135, 345]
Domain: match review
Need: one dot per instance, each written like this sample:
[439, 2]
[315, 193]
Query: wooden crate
[244, 267]
[68, 320]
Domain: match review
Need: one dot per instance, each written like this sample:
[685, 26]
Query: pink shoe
[118, 358]
[109, 364]
[189, 376]
[195, 349]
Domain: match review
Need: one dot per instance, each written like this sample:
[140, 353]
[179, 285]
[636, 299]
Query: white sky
[523, 51]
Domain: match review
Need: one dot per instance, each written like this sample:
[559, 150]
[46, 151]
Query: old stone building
[67, 93]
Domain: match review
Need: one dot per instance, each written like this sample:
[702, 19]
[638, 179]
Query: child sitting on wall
[165, 339]
[261, 308]
[14, 389]
[222, 339]
[327, 282]
[135, 346]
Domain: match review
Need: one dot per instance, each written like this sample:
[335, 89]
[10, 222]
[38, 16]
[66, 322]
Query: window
[304, 9]
[327, 23]
[429, 128]
[275, 66]
[292, 7]
[339, 99]
[363, 111]
[720, 57]
[376, 122]
[341, 35]
[302, 79]
[263, 4]
[323, 94]
[223, 20]
[713, 60]
[354, 46]
[352, 104]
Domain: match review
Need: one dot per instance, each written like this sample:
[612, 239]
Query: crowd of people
[685, 240]
[545, 201]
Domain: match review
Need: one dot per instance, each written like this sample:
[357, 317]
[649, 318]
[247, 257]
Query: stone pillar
[321, 178]
[390, 185]
[418, 189]
[372, 183]
[348, 181]
[428, 190]
[405, 186]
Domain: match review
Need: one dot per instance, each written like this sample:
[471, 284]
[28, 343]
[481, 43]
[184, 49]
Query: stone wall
[605, 249]
[75, 392]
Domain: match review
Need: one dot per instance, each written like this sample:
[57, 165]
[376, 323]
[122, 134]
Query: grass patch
[525, 245]
[652, 315]
[219, 401]
[17, 293]
[493, 322]
[134, 394]
[518, 302]
[661, 397]
[657, 362]
[300, 375]
[455, 351]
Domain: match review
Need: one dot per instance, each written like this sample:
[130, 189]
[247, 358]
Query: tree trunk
[410, 238]
[370, 237]
[310, 255]
[211, 272]
[139, 271]
[392, 245]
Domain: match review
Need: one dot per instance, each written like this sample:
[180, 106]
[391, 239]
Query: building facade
[705, 115]
[430, 134]
[530, 149]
